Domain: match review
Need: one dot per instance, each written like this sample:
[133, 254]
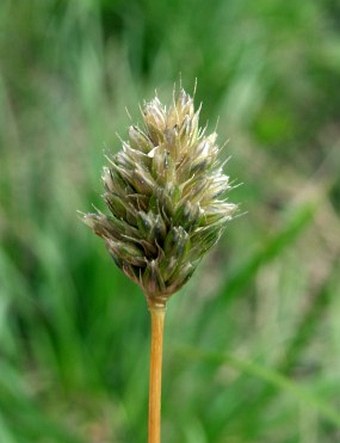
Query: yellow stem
[155, 383]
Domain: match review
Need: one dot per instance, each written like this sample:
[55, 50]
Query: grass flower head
[166, 193]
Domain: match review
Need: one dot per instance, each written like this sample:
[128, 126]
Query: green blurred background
[252, 348]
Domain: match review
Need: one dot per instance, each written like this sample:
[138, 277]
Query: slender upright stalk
[155, 383]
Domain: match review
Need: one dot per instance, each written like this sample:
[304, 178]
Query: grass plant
[166, 194]
[256, 357]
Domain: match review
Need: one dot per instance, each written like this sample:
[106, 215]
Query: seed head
[165, 191]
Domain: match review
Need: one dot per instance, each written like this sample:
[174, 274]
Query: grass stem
[155, 383]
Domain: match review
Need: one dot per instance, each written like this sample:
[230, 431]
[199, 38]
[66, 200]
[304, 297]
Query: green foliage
[252, 343]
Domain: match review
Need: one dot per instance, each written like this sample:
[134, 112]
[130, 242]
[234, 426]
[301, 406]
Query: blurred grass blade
[21, 412]
[274, 246]
[267, 375]
[271, 248]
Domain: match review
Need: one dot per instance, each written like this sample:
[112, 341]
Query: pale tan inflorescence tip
[166, 192]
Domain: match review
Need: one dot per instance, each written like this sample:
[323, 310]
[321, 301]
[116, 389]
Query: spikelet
[166, 193]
